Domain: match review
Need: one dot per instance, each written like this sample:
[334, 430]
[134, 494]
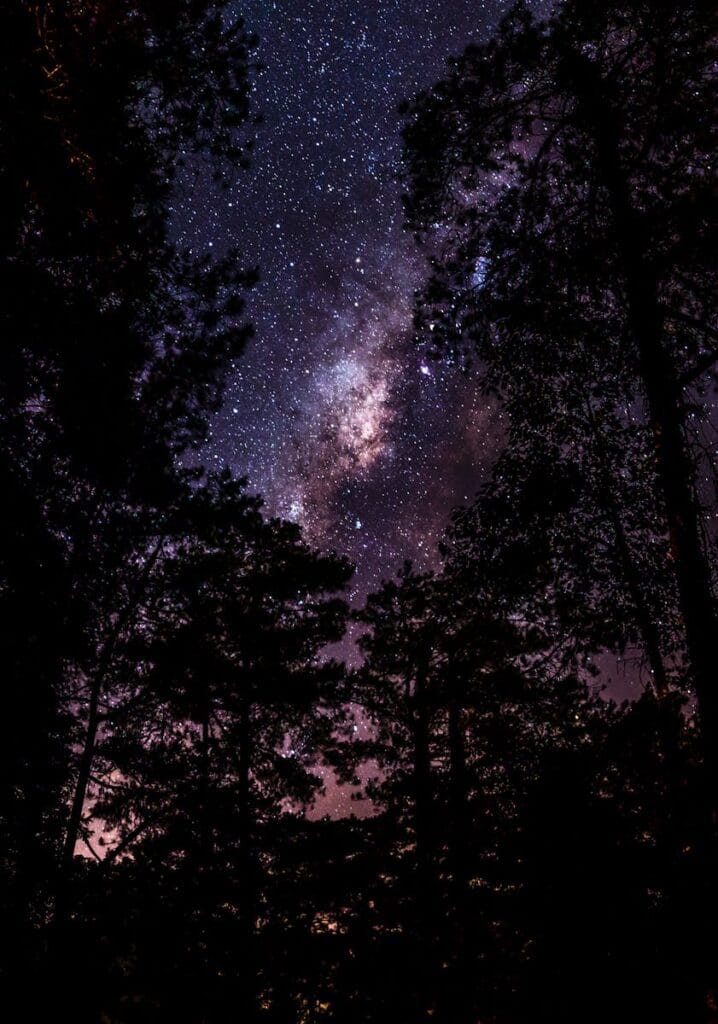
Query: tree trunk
[421, 774]
[425, 892]
[93, 723]
[84, 771]
[247, 874]
[644, 618]
[677, 476]
[457, 986]
[666, 409]
[205, 831]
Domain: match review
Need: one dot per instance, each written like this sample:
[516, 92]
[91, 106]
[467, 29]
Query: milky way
[334, 414]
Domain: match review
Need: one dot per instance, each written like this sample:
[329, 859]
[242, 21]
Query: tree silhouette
[115, 351]
[464, 716]
[568, 166]
[224, 740]
[572, 538]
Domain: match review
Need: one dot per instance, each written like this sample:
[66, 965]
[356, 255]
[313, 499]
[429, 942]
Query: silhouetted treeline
[535, 851]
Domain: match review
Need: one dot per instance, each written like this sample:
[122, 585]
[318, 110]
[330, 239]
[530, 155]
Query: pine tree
[115, 350]
[568, 167]
[237, 701]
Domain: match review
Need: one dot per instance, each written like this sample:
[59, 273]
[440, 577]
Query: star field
[334, 414]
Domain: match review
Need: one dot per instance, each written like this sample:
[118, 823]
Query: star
[328, 413]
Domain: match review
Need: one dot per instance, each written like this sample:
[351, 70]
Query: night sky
[333, 413]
